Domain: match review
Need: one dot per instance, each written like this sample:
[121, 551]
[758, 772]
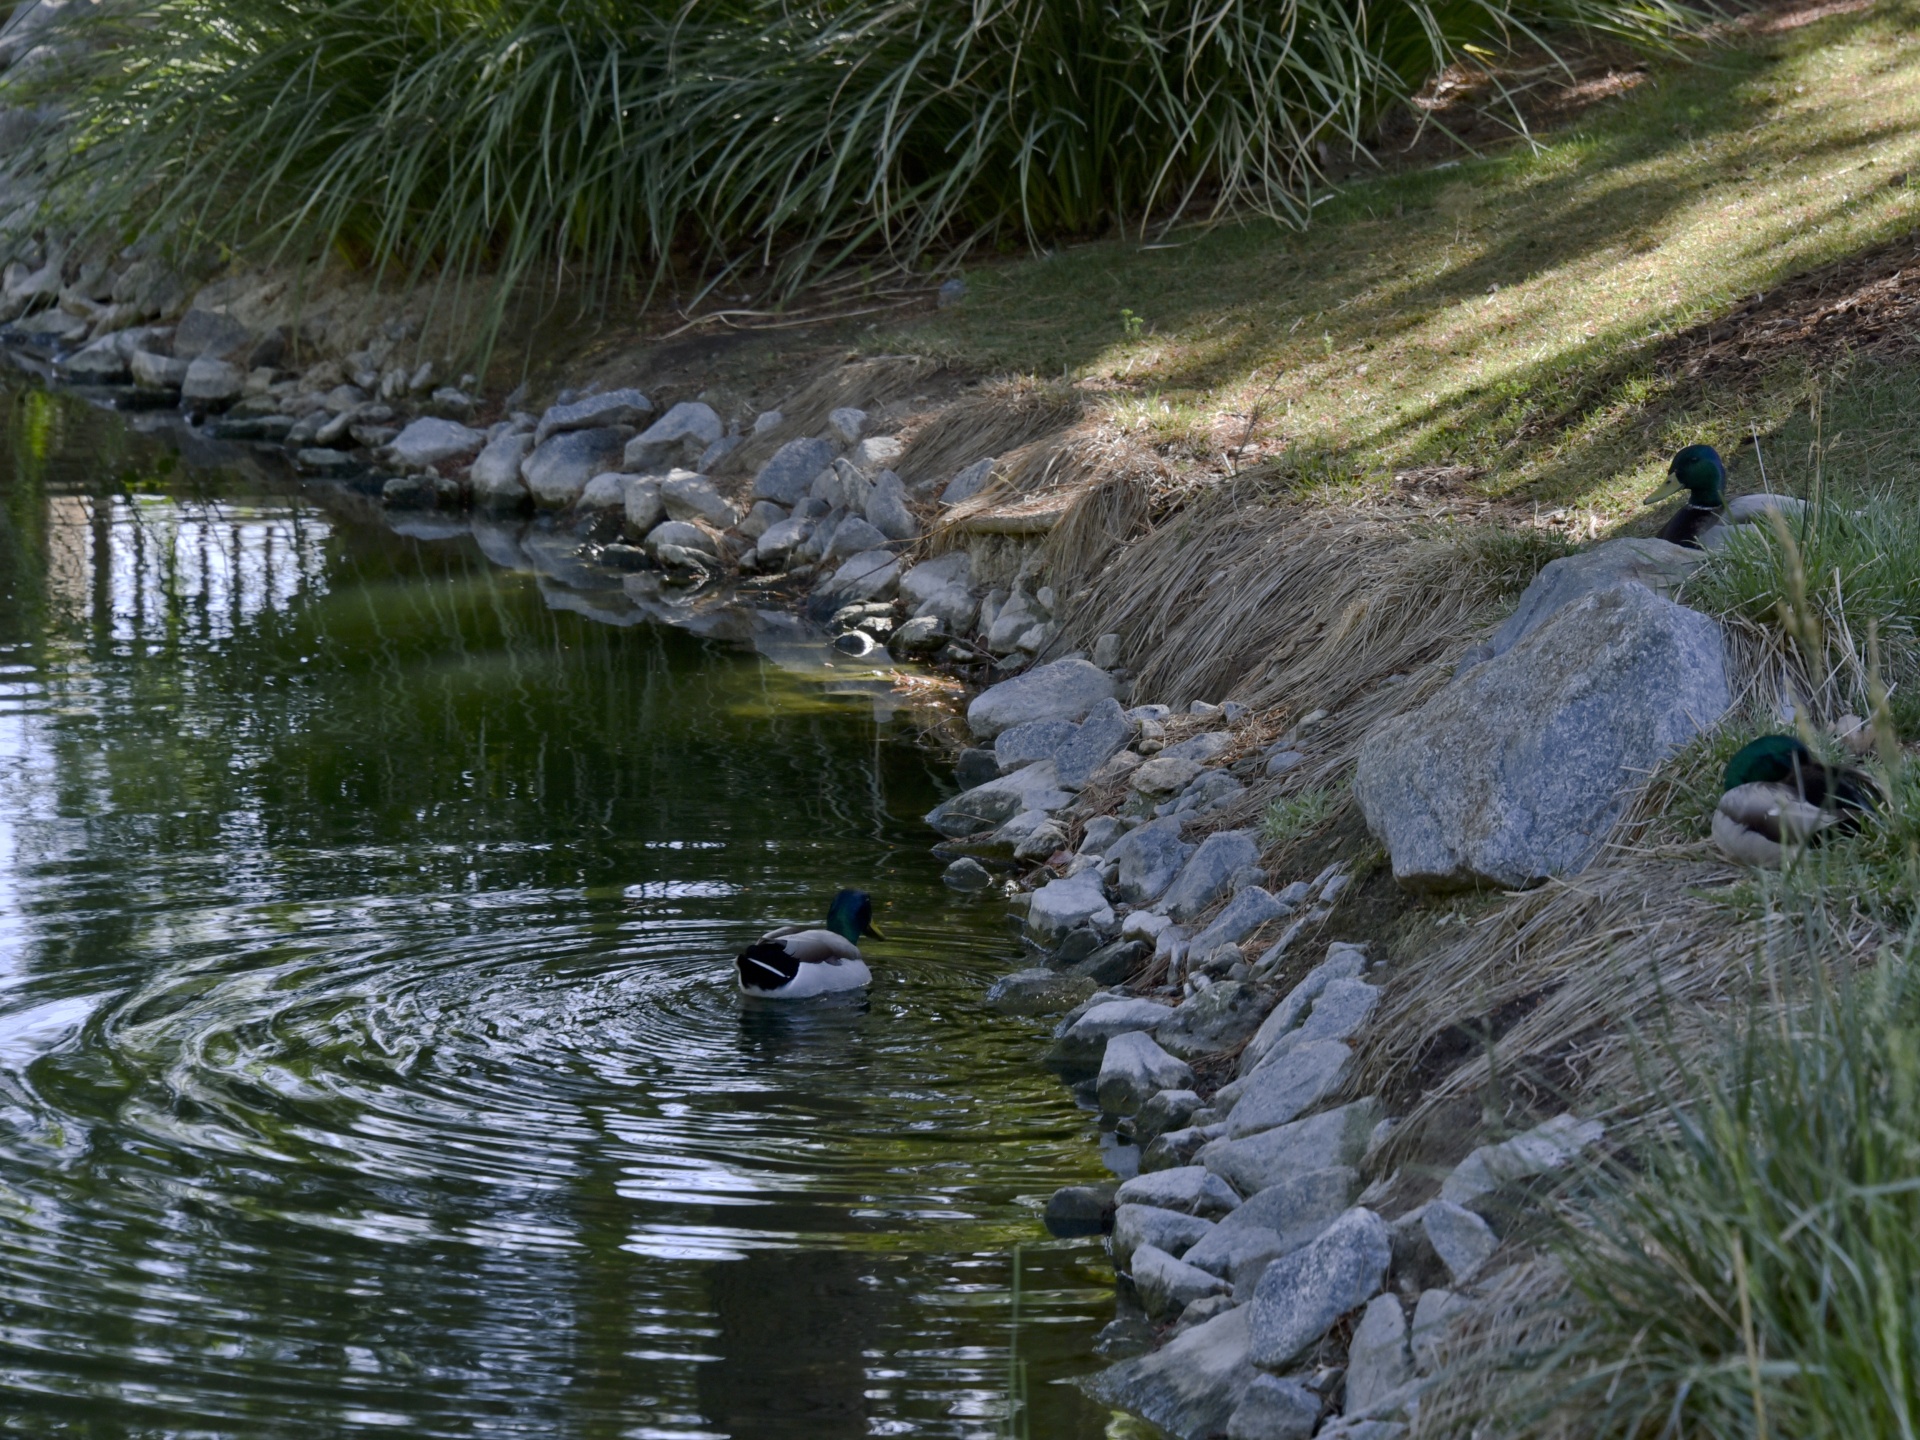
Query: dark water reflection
[369, 1061]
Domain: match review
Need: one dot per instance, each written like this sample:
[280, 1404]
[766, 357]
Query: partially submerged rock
[1191, 1387]
[1300, 1296]
[1063, 690]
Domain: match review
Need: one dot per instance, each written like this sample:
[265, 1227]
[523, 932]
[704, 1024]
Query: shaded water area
[370, 1061]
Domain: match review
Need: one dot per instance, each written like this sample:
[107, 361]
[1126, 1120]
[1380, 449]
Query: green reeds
[611, 145]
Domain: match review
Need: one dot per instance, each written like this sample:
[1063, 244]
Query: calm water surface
[369, 1056]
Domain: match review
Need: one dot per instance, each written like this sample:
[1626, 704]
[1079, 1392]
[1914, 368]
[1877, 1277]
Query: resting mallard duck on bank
[1778, 794]
[794, 962]
[1702, 523]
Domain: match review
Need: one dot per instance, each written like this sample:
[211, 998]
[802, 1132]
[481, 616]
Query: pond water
[370, 1061]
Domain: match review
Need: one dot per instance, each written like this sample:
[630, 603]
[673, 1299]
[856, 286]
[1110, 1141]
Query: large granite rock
[1215, 1020]
[789, 474]
[1193, 1189]
[1173, 1232]
[559, 467]
[1273, 1222]
[428, 441]
[1063, 905]
[1333, 1139]
[1133, 1069]
[1094, 741]
[685, 431]
[611, 407]
[1657, 564]
[495, 473]
[868, 575]
[1210, 872]
[1166, 1286]
[1149, 858]
[1063, 690]
[1301, 1295]
[1517, 770]
[1275, 1094]
[1275, 1408]
[1378, 1360]
[1343, 962]
[1032, 787]
[1191, 1387]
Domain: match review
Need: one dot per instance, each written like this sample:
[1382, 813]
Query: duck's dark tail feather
[766, 965]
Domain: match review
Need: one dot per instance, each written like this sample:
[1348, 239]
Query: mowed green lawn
[1505, 311]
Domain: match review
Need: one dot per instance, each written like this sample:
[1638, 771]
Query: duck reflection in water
[795, 1326]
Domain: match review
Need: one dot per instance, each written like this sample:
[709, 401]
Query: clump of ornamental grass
[1754, 1269]
[743, 143]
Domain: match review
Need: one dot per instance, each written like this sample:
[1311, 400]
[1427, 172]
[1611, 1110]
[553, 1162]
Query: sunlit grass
[1503, 311]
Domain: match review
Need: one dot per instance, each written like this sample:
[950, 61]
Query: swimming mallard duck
[793, 962]
[1702, 475]
[1778, 793]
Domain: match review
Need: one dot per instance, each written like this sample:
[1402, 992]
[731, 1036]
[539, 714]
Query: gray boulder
[1104, 733]
[427, 441]
[1165, 775]
[605, 492]
[1278, 1093]
[680, 535]
[1245, 913]
[1133, 1068]
[1063, 690]
[1217, 1019]
[1517, 770]
[1343, 962]
[1076, 1210]
[1190, 1387]
[1171, 1231]
[1081, 1040]
[852, 536]
[1034, 741]
[1542, 1150]
[1274, 1408]
[842, 487]
[1190, 1189]
[1434, 1316]
[918, 638]
[1166, 1286]
[887, 509]
[847, 424]
[869, 575]
[614, 407]
[688, 496]
[212, 382]
[1032, 787]
[558, 468]
[968, 483]
[1332, 1140]
[1210, 872]
[495, 472]
[1660, 566]
[1149, 858]
[967, 875]
[788, 475]
[1463, 1241]
[782, 538]
[641, 505]
[1301, 1295]
[214, 333]
[1378, 1360]
[1273, 1222]
[1063, 905]
[99, 362]
[762, 517]
[157, 372]
[683, 432]
[1341, 1011]
[1169, 1110]
[931, 577]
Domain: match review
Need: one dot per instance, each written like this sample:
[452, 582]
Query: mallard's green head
[1700, 473]
[850, 915]
[1770, 760]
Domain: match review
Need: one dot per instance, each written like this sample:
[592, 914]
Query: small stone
[1082, 1042]
[1343, 962]
[1251, 908]
[1175, 1148]
[1106, 651]
[1165, 775]
[994, 802]
[1276, 1221]
[1539, 1151]
[1378, 1360]
[868, 575]
[157, 372]
[1205, 747]
[1032, 742]
[1463, 1241]
[1303, 1294]
[1167, 1286]
[1037, 992]
[1198, 1312]
[1169, 1110]
[428, 441]
[324, 462]
[967, 874]
[1274, 1408]
[495, 472]
[919, 638]
[679, 534]
[1100, 833]
[1281, 761]
[976, 767]
[1206, 710]
[875, 453]
[604, 492]
[1076, 1210]
[612, 407]
[887, 511]
[1149, 857]
[688, 496]
[763, 516]
[1218, 1019]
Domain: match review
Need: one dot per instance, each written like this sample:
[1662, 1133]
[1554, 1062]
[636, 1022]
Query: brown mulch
[1868, 304]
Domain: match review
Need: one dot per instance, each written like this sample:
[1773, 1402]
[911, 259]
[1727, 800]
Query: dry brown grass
[992, 420]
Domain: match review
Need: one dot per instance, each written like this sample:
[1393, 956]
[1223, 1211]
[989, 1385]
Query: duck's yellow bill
[1665, 492]
[875, 931]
